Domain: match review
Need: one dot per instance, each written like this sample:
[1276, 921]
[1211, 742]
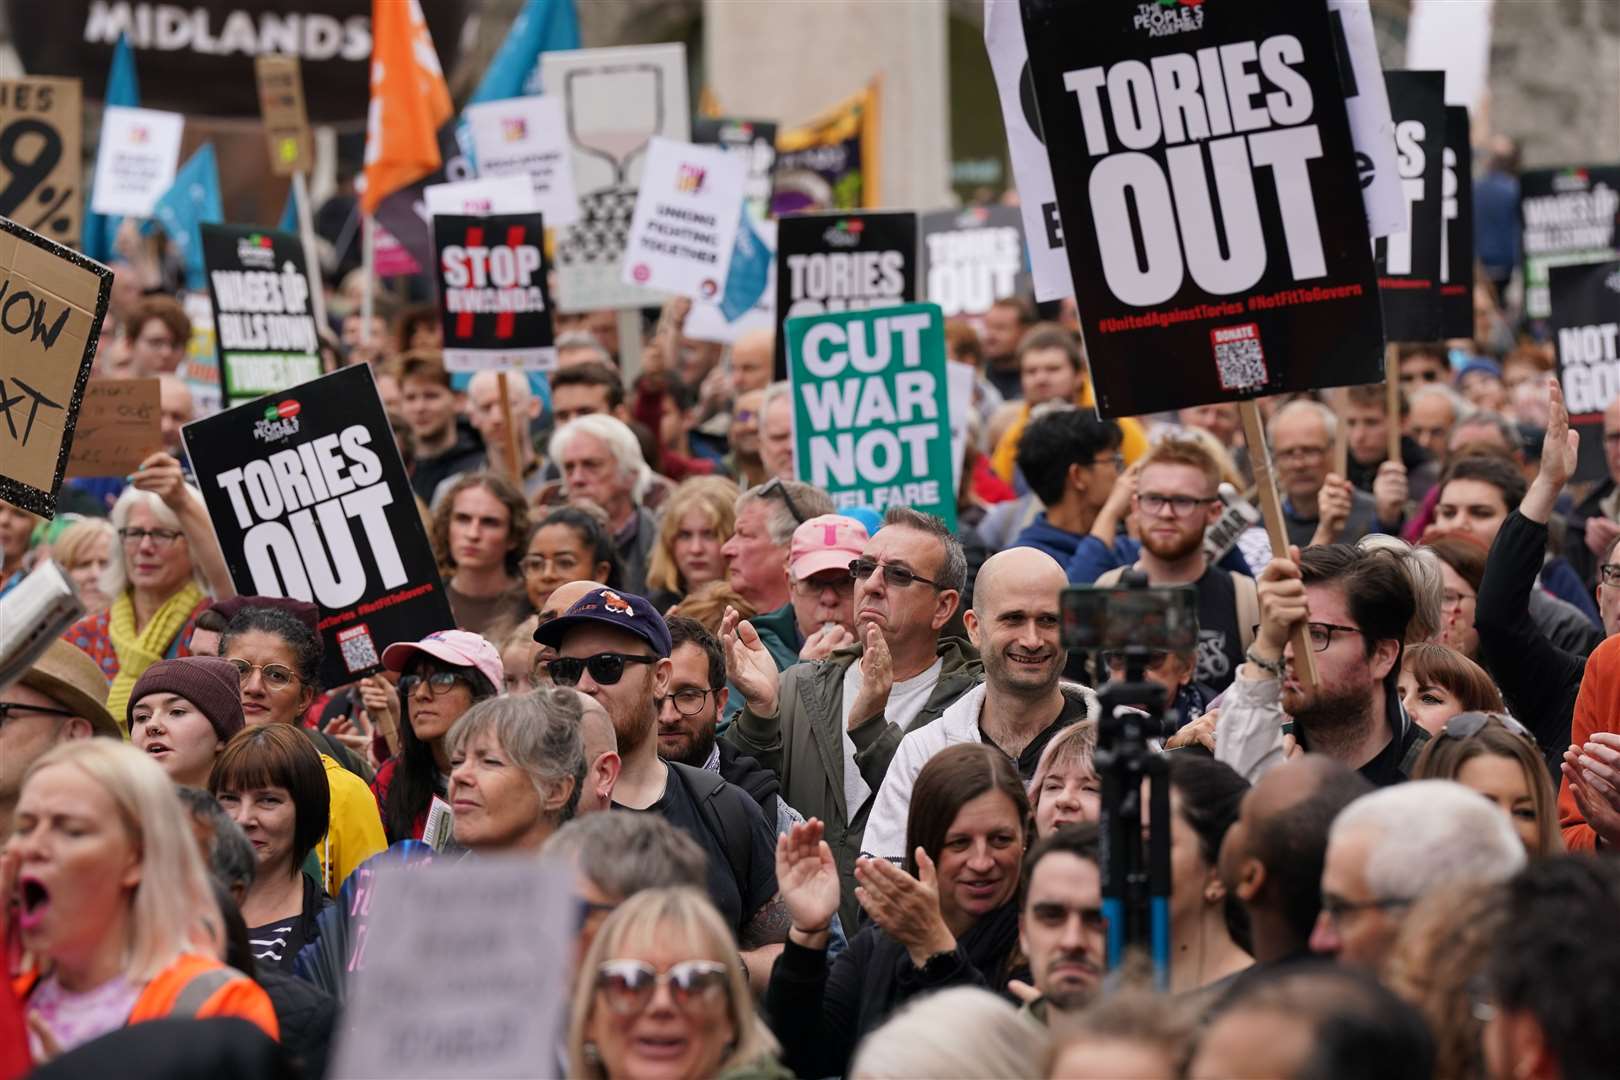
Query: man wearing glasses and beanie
[614, 647]
[829, 728]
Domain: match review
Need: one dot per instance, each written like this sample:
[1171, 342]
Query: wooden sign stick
[1392, 400]
[1265, 482]
[514, 465]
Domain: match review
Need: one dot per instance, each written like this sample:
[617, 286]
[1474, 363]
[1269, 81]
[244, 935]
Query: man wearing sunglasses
[829, 727]
[1353, 607]
[62, 697]
[613, 646]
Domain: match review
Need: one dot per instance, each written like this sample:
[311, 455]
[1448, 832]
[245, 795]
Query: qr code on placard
[359, 650]
[1239, 361]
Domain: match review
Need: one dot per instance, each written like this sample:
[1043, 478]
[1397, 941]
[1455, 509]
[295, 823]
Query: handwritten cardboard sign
[119, 427]
[286, 123]
[40, 175]
[52, 303]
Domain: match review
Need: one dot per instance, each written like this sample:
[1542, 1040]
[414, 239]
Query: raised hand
[1282, 605]
[807, 878]
[1390, 492]
[877, 679]
[1333, 505]
[162, 476]
[749, 665]
[1593, 772]
[826, 641]
[906, 907]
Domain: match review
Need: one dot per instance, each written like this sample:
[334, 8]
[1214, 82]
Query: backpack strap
[1109, 578]
[721, 815]
[195, 994]
[1248, 607]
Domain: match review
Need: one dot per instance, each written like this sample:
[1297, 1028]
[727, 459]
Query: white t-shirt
[906, 700]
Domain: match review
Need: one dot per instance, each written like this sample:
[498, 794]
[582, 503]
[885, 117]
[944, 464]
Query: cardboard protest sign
[1409, 261]
[486, 195]
[971, 258]
[687, 211]
[286, 123]
[120, 426]
[830, 162]
[1207, 185]
[842, 262]
[40, 183]
[748, 299]
[52, 303]
[1457, 227]
[1032, 173]
[492, 292]
[1586, 327]
[871, 408]
[264, 326]
[526, 137]
[136, 160]
[1570, 215]
[309, 498]
[1372, 129]
[494, 1004]
[614, 102]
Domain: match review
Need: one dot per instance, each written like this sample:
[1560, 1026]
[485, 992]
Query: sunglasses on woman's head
[606, 668]
[628, 985]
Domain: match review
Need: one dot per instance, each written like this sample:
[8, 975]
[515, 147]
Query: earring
[591, 1054]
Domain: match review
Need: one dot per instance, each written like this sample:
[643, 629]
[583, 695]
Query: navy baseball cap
[610, 607]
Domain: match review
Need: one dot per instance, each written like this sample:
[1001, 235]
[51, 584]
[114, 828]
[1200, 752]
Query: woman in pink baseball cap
[443, 676]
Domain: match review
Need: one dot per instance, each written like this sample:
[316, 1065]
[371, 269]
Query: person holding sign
[1319, 507]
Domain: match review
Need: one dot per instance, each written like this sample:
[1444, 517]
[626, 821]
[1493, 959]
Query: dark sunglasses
[774, 486]
[628, 985]
[606, 668]
[1467, 725]
[896, 577]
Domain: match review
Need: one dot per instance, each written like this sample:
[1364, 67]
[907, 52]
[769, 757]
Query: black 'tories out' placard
[1211, 209]
[309, 499]
[1457, 225]
[1409, 262]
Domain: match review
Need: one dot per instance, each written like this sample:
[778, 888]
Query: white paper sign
[525, 137]
[1372, 129]
[487, 195]
[136, 161]
[466, 972]
[1032, 173]
[685, 220]
[959, 385]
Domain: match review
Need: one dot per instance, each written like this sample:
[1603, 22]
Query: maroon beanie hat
[302, 610]
[211, 684]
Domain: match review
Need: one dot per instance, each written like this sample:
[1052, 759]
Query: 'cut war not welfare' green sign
[871, 412]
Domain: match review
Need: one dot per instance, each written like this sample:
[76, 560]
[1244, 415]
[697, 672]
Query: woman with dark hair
[442, 676]
[1462, 568]
[1497, 757]
[271, 783]
[569, 544]
[1437, 682]
[1208, 930]
[478, 530]
[948, 918]
[278, 658]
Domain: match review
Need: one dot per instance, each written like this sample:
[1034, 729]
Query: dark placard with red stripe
[493, 298]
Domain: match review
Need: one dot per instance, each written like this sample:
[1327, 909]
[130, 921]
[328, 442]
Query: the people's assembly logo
[279, 423]
[1165, 17]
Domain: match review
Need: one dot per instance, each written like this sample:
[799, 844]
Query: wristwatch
[1275, 668]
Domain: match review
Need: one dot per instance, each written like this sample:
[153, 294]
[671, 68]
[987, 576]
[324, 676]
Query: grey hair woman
[516, 766]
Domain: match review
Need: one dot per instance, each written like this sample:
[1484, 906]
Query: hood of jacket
[1056, 542]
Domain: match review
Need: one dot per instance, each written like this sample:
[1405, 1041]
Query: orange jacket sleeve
[239, 996]
[1597, 708]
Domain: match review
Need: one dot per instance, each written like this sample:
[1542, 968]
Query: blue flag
[100, 230]
[289, 213]
[750, 269]
[193, 200]
[542, 26]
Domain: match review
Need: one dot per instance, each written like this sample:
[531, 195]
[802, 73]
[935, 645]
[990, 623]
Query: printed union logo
[514, 128]
[256, 251]
[1572, 179]
[641, 272]
[708, 288]
[139, 134]
[1162, 18]
[689, 179]
[845, 233]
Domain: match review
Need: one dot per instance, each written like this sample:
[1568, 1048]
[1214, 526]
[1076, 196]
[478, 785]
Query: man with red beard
[1354, 606]
[1174, 503]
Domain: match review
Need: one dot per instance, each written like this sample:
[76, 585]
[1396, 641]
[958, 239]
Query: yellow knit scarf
[139, 651]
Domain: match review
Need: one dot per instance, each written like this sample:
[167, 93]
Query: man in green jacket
[829, 728]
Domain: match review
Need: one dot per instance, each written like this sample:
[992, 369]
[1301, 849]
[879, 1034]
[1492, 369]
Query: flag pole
[368, 260]
[306, 236]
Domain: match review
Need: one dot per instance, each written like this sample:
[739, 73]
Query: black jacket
[1575, 550]
[820, 1015]
[307, 1016]
[1537, 678]
[760, 783]
[463, 456]
[177, 1050]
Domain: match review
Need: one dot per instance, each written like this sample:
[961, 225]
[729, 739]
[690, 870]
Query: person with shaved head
[1016, 623]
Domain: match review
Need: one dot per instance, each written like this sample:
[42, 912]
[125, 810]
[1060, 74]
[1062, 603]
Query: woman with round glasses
[1497, 756]
[277, 657]
[569, 544]
[662, 993]
[441, 677]
[699, 517]
[166, 563]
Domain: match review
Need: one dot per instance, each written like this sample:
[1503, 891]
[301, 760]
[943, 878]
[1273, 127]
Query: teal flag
[542, 26]
[192, 200]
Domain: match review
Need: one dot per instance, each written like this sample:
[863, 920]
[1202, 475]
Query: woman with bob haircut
[85, 551]
[111, 901]
[158, 581]
[664, 970]
[948, 917]
[1437, 682]
[270, 780]
[516, 766]
[1496, 756]
[1065, 788]
[699, 517]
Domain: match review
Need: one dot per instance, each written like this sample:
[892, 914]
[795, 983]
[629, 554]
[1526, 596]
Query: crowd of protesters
[824, 778]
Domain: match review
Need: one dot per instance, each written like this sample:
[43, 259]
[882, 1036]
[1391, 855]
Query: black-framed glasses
[276, 676]
[606, 668]
[161, 538]
[774, 486]
[1320, 633]
[438, 682]
[627, 986]
[1337, 907]
[1609, 573]
[688, 700]
[1467, 725]
[896, 577]
[7, 708]
[1180, 505]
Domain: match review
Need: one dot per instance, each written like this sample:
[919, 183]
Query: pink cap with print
[828, 542]
[459, 647]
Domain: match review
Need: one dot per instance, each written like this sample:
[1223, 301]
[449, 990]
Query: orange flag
[409, 102]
